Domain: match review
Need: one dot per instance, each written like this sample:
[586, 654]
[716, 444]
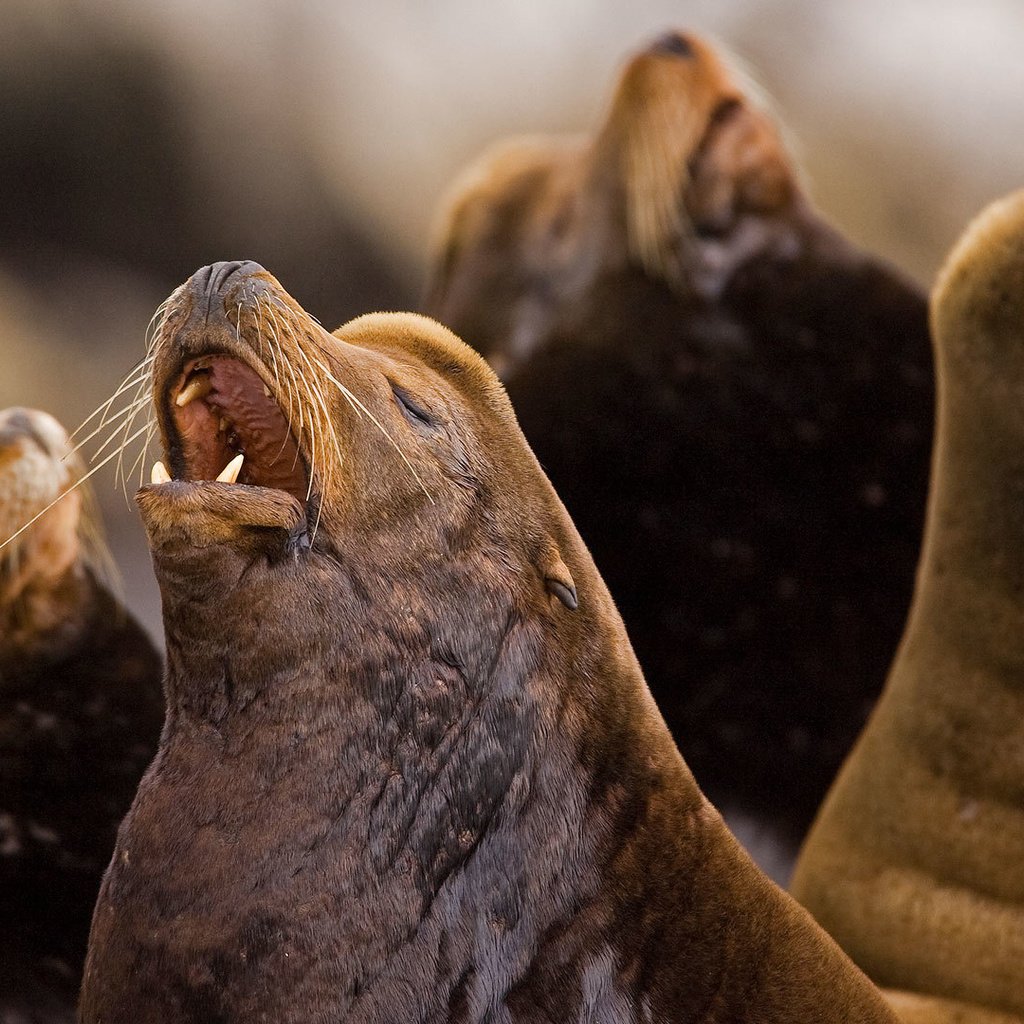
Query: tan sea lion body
[734, 402]
[916, 861]
[80, 711]
[411, 770]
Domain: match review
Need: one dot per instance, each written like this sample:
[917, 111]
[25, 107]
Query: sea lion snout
[35, 470]
[212, 281]
[237, 436]
[673, 43]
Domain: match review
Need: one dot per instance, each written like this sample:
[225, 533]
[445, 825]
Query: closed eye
[414, 412]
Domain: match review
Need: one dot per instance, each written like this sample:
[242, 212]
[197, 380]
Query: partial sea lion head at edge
[687, 178]
[49, 530]
[80, 712]
[410, 762]
[914, 861]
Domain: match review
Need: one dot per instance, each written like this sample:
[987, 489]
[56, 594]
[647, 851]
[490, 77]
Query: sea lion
[916, 862]
[80, 712]
[734, 402]
[411, 770]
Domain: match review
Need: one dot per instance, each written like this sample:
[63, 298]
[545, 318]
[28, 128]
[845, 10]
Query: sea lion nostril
[212, 279]
[222, 273]
[674, 43]
[209, 282]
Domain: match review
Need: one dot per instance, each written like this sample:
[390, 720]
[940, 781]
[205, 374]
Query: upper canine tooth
[159, 474]
[198, 387]
[229, 474]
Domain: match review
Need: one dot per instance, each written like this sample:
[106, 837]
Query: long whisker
[288, 366]
[154, 325]
[140, 395]
[135, 376]
[130, 407]
[78, 483]
[140, 459]
[320, 399]
[311, 433]
[356, 404]
[277, 373]
[118, 428]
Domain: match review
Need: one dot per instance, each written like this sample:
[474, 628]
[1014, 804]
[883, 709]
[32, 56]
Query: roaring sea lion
[916, 861]
[734, 402]
[411, 770]
[80, 712]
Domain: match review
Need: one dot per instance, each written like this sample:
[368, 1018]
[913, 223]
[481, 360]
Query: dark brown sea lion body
[916, 861]
[734, 402]
[411, 770]
[80, 712]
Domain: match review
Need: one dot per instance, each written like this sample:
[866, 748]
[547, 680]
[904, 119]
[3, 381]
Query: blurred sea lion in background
[80, 712]
[411, 770]
[734, 402]
[915, 863]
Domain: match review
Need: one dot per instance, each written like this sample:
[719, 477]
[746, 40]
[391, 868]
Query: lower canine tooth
[229, 474]
[159, 474]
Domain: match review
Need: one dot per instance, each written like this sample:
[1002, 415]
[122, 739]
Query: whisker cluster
[298, 375]
[120, 432]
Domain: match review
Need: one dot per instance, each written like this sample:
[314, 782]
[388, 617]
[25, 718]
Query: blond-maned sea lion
[80, 711]
[916, 862]
[734, 402]
[411, 770]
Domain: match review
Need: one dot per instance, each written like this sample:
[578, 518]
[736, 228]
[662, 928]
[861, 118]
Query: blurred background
[139, 141]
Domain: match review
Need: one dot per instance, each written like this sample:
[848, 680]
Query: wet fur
[402, 777]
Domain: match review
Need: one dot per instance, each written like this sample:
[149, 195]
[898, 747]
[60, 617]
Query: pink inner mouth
[232, 412]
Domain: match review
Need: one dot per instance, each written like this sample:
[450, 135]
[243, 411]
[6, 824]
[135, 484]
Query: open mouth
[224, 424]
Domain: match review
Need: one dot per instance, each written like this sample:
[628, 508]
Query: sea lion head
[976, 317]
[695, 151]
[48, 522]
[686, 178]
[382, 478]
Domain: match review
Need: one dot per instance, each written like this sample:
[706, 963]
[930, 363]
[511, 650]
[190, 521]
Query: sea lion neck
[921, 837]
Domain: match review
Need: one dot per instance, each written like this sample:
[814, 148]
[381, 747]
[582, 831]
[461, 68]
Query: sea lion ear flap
[559, 582]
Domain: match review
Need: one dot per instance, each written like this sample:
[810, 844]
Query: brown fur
[915, 861]
[733, 401]
[411, 770]
[687, 178]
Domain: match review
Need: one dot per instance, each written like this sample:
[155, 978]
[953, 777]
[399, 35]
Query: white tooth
[229, 474]
[222, 424]
[198, 387]
[159, 474]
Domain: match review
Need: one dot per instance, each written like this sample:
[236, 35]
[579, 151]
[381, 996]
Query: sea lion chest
[279, 871]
